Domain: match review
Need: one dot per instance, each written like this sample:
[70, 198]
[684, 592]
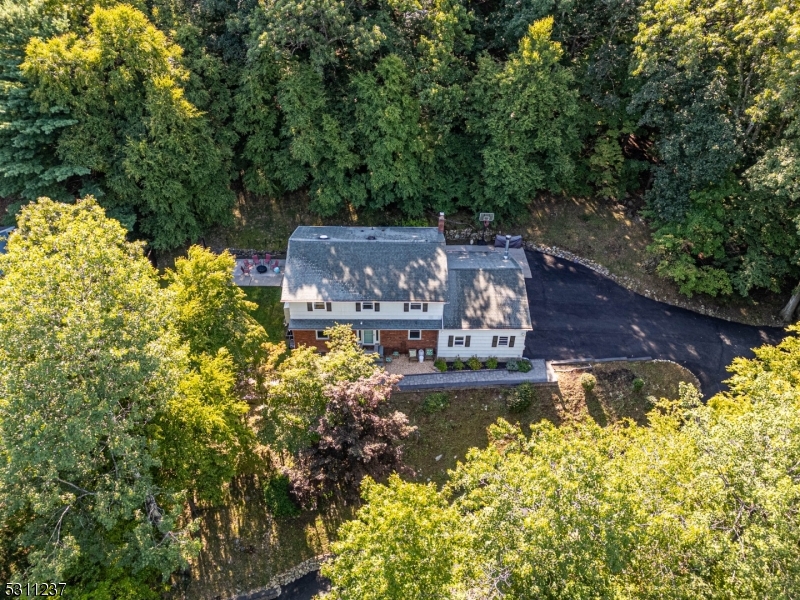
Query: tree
[402, 545]
[203, 437]
[352, 440]
[524, 119]
[87, 364]
[292, 390]
[212, 312]
[149, 148]
[29, 165]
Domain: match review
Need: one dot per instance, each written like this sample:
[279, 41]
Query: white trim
[323, 337]
[416, 339]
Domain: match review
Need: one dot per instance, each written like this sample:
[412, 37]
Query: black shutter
[425, 307]
[328, 307]
[450, 341]
[377, 307]
[511, 341]
[358, 306]
[405, 307]
[310, 306]
[494, 341]
[466, 342]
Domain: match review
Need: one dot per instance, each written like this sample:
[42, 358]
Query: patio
[400, 365]
[253, 278]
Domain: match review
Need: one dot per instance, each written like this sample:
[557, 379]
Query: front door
[368, 337]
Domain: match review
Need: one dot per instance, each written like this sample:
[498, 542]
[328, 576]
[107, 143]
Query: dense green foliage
[161, 107]
[701, 503]
[113, 412]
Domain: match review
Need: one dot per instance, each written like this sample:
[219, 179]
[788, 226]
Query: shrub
[474, 363]
[524, 365]
[588, 381]
[638, 384]
[491, 362]
[458, 364]
[277, 498]
[435, 402]
[512, 365]
[440, 364]
[521, 398]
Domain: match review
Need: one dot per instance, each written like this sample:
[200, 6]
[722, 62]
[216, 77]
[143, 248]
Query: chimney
[441, 222]
[508, 242]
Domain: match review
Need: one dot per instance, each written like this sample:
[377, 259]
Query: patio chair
[256, 260]
[412, 354]
[428, 353]
[267, 259]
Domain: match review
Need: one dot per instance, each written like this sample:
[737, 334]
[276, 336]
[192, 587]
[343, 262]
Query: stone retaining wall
[273, 588]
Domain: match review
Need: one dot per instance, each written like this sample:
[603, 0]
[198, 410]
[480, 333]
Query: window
[458, 341]
[423, 306]
[376, 306]
[321, 335]
[312, 306]
[414, 334]
[503, 340]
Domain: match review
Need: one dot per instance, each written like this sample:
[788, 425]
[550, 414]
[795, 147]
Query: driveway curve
[577, 313]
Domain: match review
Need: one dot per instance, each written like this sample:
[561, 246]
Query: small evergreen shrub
[491, 362]
[588, 381]
[474, 363]
[458, 364]
[435, 402]
[440, 364]
[521, 398]
[277, 498]
[638, 384]
[524, 365]
[512, 365]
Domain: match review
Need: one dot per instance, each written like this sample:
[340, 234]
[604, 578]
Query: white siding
[347, 310]
[480, 343]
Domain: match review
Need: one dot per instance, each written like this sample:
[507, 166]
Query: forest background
[164, 109]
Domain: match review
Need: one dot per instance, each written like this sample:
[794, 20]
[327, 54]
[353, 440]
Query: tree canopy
[702, 502]
[113, 413]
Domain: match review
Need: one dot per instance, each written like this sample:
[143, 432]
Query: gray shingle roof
[385, 324]
[485, 292]
[401, 264]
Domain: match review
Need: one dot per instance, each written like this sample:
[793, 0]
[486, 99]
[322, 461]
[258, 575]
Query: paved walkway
[471, 379]
[577, 313]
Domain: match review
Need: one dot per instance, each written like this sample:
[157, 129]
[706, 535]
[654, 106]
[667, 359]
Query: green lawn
[270, 310]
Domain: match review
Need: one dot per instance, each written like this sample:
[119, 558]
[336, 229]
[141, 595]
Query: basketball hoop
[486, 218]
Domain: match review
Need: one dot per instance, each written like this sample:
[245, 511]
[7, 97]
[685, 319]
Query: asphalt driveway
[577, 313]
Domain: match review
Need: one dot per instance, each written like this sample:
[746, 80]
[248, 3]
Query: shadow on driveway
[577, 313]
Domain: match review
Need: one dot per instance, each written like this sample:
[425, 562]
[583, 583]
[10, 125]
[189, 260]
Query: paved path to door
[578, 313]
[472, 379]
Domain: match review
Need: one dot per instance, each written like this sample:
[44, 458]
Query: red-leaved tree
[353, 440]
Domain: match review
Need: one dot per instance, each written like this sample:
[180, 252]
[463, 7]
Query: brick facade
[398, 340]
[391, 340]
[304, 337]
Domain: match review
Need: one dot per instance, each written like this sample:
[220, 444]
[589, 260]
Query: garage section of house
[486, 313]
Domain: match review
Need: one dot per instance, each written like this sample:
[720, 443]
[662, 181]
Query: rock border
[273, 588]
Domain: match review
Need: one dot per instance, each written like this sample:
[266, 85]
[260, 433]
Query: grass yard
[244, 546]
[604, 232]
[462, 425]
[270, 310]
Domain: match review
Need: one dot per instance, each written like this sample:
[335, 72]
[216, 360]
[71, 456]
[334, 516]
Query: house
[402, 289]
